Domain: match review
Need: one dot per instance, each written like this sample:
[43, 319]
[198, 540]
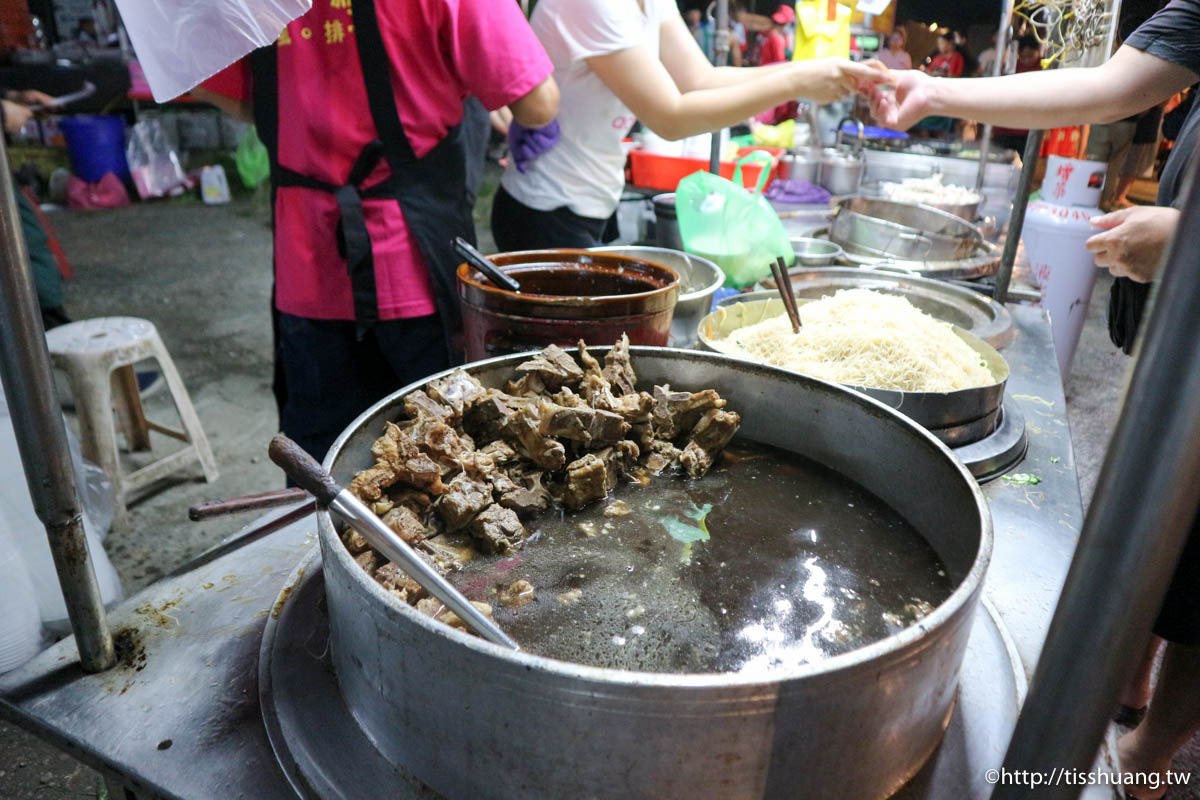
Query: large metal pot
[842, 173]
[566, 295]
[956, 418]
[699, 280]
[471, 719]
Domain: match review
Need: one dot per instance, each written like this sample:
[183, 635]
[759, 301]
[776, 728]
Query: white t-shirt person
[585, 171]
[616, 61]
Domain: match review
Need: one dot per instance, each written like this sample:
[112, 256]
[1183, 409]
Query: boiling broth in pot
[770, 561]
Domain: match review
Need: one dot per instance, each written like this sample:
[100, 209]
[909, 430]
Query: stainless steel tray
[957, 305]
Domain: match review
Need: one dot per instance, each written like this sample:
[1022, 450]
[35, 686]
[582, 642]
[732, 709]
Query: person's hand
[525, 145]
[1133, 240]
[826, 80]
[15, 116]
[905, 102]
[501, 119]
[32, 97]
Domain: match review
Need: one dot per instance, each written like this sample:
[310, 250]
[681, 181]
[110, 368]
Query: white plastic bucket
[1073, 181]
[1064, 269]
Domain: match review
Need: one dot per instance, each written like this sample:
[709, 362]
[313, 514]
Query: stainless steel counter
[180, 716]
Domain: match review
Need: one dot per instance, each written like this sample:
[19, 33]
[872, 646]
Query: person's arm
[13, 115]
[29, 97]
[238, 109]
[691, 70]
[1133, 240]
[537, 107]
[1129, 82]
[643, 84]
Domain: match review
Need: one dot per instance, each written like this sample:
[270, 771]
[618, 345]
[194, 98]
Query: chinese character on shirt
[334, 32]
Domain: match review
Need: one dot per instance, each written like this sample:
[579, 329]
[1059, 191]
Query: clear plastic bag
[180, 43]
[153, 163]
[737, 229]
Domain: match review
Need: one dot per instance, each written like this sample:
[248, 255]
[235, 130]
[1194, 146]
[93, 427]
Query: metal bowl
[951, 416]
[812, 252]
[883, 228]
[699, 280]
[472, 719]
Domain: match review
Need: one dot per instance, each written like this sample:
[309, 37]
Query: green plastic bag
[737, 229]
[253, 163]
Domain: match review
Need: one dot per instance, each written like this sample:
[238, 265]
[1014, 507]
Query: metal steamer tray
[957, 305]
[918, 239]
[955, 418]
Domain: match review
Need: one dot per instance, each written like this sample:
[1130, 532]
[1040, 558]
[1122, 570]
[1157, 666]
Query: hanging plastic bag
[180, 43]
[153, 163]
[725, 223]
[251, 159]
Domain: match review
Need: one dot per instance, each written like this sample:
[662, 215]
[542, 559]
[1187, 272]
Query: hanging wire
[1068, 30]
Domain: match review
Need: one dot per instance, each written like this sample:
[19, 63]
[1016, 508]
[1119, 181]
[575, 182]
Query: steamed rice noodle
[865, 338]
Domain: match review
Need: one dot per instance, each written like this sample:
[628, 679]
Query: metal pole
[1002, 36]
[42, 436]
[1033, 148]
[1144, 506]
[720, 53]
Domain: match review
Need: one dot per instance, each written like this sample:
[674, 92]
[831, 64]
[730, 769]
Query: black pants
[332, 377]
[516, 226]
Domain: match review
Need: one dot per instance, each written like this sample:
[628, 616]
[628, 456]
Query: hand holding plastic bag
[737, 229]
[180, 43]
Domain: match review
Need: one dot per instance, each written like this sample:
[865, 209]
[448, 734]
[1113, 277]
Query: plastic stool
[97, 356]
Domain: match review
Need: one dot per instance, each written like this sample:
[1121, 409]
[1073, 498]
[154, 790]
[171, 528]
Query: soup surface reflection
[770, 561]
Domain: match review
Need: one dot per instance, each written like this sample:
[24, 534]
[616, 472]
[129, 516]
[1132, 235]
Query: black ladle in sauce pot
[480, 262]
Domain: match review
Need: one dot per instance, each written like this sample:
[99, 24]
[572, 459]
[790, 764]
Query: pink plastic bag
[108, 192]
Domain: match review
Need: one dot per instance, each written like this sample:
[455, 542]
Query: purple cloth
[797, 192]
[526, 144]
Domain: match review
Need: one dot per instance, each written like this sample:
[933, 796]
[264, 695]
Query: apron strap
[375, 62]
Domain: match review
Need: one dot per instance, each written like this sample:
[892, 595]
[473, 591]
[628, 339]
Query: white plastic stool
[97, 356]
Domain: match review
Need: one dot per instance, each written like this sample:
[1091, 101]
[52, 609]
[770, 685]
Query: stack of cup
[1056, 228]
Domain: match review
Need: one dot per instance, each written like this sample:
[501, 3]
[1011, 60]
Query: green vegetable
[688, 533]
[1023, 479]
[1055, 459]
[685, 532]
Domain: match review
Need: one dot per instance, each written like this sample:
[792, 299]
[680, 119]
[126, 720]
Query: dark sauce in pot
[574, 280]
[770, 561]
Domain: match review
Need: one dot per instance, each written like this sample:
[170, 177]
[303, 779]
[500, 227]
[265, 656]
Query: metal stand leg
[1145, 503]
[1029, 159]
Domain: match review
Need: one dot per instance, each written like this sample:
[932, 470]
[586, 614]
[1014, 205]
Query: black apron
[431, 190]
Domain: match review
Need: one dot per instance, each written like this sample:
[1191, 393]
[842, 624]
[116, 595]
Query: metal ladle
[480, 262]
[307, 473]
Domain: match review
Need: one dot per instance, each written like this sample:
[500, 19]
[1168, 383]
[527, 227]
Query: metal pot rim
[657, 299]
[695, 294]
[831, 670]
